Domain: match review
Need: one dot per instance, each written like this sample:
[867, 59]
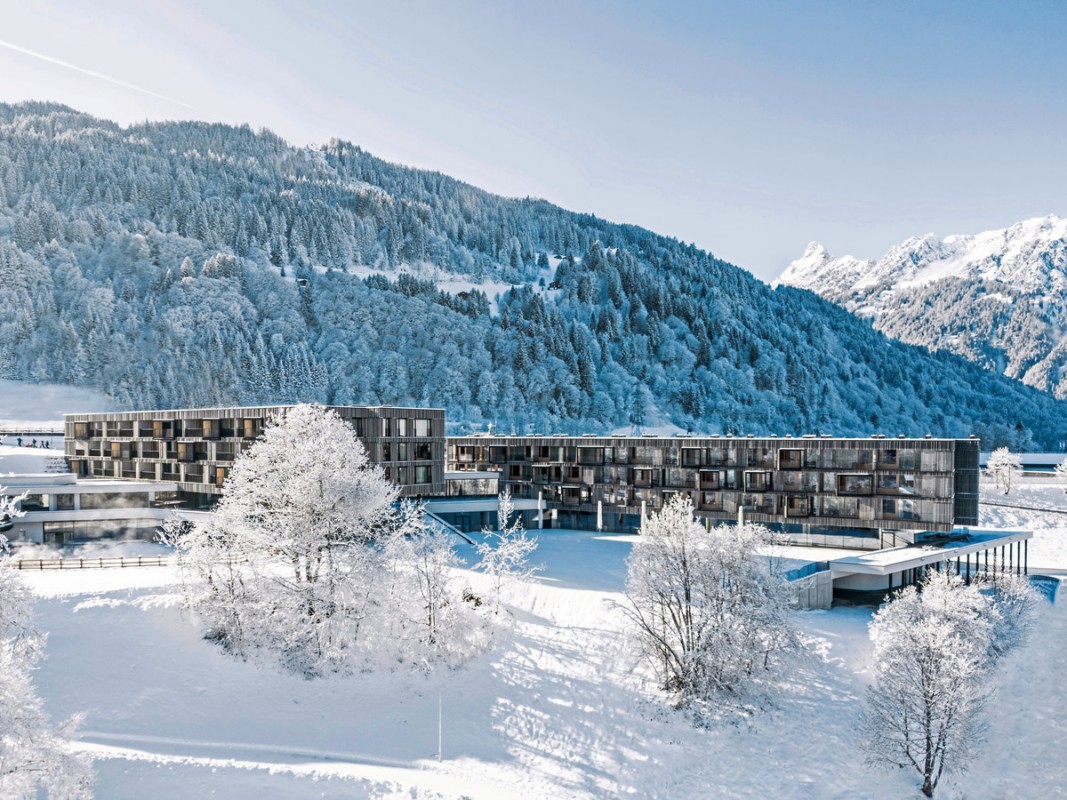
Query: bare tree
[709, 610]
[431, 614]
[1003, 467]
[1061, 473]
[505, 553]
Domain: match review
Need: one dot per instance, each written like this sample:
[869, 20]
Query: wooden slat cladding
[865, 484]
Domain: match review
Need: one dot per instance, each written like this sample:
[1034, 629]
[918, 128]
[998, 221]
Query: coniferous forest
[193, 264]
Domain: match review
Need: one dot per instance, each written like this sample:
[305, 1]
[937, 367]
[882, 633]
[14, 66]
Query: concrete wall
[815, 591]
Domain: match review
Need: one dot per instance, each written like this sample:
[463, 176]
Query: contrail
[99, 75]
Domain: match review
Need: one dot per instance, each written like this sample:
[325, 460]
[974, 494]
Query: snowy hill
[188, 264]
[998, 298]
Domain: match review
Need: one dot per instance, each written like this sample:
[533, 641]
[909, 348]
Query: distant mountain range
[193, 264]
[998, 298]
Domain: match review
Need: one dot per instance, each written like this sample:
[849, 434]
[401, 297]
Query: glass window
[423, 475]
[402, 475]
[401, 451]
[401, 427]
[422, 427]
[855, 484]
[386, 452]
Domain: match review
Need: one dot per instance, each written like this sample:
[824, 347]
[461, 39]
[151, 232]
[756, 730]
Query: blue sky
[747, 128]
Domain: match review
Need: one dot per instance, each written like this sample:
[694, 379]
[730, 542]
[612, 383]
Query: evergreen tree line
[188, 264]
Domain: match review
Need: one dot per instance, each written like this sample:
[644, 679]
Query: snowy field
[556, 710]
[1048, 548]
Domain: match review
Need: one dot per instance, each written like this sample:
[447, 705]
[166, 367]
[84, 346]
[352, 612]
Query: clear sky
[748, 128]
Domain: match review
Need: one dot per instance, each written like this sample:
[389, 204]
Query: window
[797, 506]
[423, 451]
[790, 459]
[386, 452]
[855, 483]
[357, 426]
[402, 475]
[34, 502]
[401, 451]
[889, 507]
[423, 475]
[422, 427]
[758, 481]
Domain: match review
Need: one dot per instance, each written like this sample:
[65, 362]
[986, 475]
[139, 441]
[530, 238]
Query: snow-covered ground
[557, 709]
[1048, 548]
[22, 460]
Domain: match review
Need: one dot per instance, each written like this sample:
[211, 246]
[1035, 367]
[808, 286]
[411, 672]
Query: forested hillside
[188, 264]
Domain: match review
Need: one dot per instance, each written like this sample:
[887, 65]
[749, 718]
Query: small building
[59, 509]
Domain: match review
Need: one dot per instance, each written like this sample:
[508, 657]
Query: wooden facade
[799, 484]
[194, 448]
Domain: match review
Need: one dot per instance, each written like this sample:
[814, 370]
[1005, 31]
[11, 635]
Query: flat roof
[701, 440]
[896, 559]
[214, 409]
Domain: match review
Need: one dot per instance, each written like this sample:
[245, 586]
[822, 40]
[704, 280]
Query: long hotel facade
[893, 507]
[819, 490]
[816, 489]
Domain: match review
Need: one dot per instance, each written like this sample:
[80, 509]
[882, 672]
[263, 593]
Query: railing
[806, 570]
[41, 564]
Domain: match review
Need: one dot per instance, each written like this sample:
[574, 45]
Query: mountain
[998, 298]
[191, 264]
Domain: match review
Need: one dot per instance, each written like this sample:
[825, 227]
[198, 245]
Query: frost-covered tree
[287, 562]
[1014, 605]
[1003, 467]
[1061, 473]
[932, 661]
[35, 757]
[709, 608]
[432, 613]
[505, 553]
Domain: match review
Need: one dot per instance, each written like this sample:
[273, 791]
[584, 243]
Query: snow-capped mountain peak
[996, 297]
